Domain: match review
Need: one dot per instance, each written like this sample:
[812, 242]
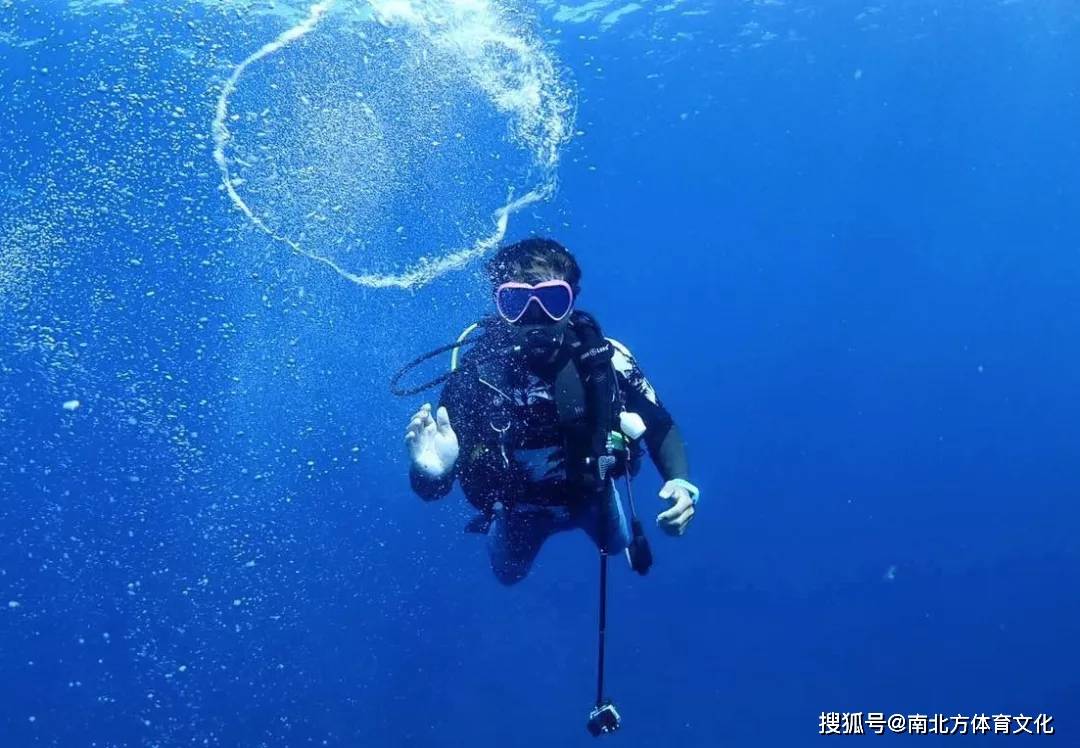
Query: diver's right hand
[433, 445]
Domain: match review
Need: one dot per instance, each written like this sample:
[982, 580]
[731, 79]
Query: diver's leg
[605, 522]
[515, 537]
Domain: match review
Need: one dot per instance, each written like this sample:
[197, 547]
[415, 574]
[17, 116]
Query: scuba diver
[539, 416]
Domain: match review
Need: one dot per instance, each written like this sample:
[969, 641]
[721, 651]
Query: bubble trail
[420, 273]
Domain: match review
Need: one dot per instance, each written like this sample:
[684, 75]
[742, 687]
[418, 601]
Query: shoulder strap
[586, 397]
[569, 394]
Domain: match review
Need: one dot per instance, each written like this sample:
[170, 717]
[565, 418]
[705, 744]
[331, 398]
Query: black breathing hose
[400, 374]
[493, 351]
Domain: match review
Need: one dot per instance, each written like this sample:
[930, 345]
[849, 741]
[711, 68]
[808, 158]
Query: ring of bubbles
[472, 58]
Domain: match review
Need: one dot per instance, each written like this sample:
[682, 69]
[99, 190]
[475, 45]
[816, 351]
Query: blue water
[842, 240]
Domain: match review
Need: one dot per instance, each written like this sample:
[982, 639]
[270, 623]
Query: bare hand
[675, 520]
[433, 445]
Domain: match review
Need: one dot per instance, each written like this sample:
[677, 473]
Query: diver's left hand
[675, 520]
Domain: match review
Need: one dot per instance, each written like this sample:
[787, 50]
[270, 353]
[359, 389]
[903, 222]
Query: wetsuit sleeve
[662, 437]
[429, 488]
[670, 455]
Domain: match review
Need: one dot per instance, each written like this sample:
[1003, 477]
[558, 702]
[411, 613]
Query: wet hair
[532, 261]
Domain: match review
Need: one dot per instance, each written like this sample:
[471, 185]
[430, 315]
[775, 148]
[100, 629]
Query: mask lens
[512, 301]
[556, 300]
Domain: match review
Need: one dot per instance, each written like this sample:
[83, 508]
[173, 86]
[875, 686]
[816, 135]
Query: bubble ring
[415, 275]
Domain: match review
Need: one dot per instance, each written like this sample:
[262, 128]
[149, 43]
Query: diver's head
[535, 283]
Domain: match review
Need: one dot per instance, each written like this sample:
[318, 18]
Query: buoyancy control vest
[588, 402]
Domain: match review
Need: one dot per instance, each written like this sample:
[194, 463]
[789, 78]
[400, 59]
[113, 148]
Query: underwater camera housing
[604, 719]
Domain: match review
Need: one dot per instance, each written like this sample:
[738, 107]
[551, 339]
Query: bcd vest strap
[586, 399]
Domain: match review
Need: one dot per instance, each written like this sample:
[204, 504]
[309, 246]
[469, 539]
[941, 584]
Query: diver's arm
[666, 446]
[670, 455]
[428, 488]
[662, 437]
[668, 452]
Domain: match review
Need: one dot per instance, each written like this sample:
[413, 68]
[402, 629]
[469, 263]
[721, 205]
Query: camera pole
[604, 718]
[603, 627]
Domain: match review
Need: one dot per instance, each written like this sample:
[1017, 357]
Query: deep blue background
[848, 258]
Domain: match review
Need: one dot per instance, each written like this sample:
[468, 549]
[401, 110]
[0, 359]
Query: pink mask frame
[534, 297]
